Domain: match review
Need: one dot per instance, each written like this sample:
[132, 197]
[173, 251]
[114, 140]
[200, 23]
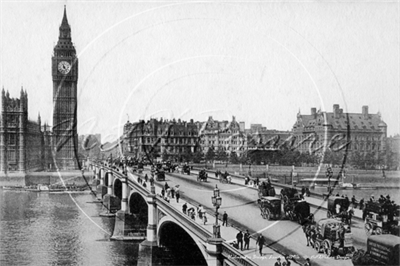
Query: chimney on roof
[314, 112]
[336, 110]
[365, 111]
[241, 126]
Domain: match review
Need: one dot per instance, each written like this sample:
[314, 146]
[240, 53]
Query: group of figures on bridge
[142, 214]
[332, 235]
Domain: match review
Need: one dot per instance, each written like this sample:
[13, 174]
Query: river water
[365, 193]
[58, 229]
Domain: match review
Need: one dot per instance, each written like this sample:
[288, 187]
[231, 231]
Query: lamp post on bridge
[216, 201]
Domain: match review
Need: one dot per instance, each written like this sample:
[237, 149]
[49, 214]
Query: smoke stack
[336, 110]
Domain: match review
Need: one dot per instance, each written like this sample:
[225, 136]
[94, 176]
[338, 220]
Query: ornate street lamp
[216, 201]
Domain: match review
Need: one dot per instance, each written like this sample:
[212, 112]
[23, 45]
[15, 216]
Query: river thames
[58, 229]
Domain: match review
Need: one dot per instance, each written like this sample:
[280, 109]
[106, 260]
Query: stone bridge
[163, 230]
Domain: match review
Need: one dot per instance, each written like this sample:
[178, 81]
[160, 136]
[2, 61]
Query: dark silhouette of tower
[65, 79]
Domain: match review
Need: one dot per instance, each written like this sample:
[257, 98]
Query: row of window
[222, 142]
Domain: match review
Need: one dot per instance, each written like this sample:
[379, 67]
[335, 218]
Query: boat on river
[17, 188]
[46, 188]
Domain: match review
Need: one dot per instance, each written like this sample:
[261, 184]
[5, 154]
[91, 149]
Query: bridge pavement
[283, 236]
[228, 233]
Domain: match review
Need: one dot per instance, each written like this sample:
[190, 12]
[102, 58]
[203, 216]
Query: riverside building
[362, 132]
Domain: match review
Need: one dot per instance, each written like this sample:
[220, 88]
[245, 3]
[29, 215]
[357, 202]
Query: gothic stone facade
[23, 143]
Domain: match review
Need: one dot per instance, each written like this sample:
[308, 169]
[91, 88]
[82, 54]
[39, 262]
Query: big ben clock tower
[65, 79]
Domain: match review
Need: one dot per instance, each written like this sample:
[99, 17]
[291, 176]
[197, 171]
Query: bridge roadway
[239, 202]
[269, 256]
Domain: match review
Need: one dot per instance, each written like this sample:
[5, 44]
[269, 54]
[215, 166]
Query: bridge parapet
[218, 250]
[235, 257]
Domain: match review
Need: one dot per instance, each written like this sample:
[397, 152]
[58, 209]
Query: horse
[309, 229]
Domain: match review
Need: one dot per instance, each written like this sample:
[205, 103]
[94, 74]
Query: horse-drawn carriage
[294, 207]
[338, 208]
[331, 237]
[186, 169]
[298, 211]
[381, 250]
[160, 175]
[270, 207]
[381, 218]
[265, 189]
[202, 176]
[225, 178]
[289, 194]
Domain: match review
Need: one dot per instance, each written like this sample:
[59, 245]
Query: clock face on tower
[64, 67]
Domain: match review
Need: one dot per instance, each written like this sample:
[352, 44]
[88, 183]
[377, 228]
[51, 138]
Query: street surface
[240, 203]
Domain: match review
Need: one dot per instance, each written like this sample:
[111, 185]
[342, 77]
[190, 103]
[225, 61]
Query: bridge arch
[117, 188]
[138, 207]
[182, 244]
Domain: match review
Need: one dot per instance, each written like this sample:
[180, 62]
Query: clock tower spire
[65, 79]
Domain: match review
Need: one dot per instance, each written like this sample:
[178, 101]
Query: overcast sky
[261, 62]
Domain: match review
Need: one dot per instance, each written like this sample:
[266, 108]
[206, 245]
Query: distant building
[159, 137]
[89, 146]
[362, 132]
[394, 143]
[259, 137]
[228, 136]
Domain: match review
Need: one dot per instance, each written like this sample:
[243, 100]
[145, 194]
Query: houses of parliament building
[27, 145]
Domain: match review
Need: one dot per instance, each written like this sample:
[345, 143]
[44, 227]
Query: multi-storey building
[362, 132]
[157, 137]
[228, 136]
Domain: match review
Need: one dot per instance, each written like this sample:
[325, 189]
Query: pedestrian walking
[361, 203]
[146, 177]
[177, 196]
[308, 263]
[308, 193]
[184, 208]
[200, 211]
[239, 239]
[225, 219]
[350, 215]
[204, 218]
[151, 181]
[162, 193]
[260, 242]
[166, 186]
[364, 214]
[246, 240]
[278, 262]
[172, 193]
